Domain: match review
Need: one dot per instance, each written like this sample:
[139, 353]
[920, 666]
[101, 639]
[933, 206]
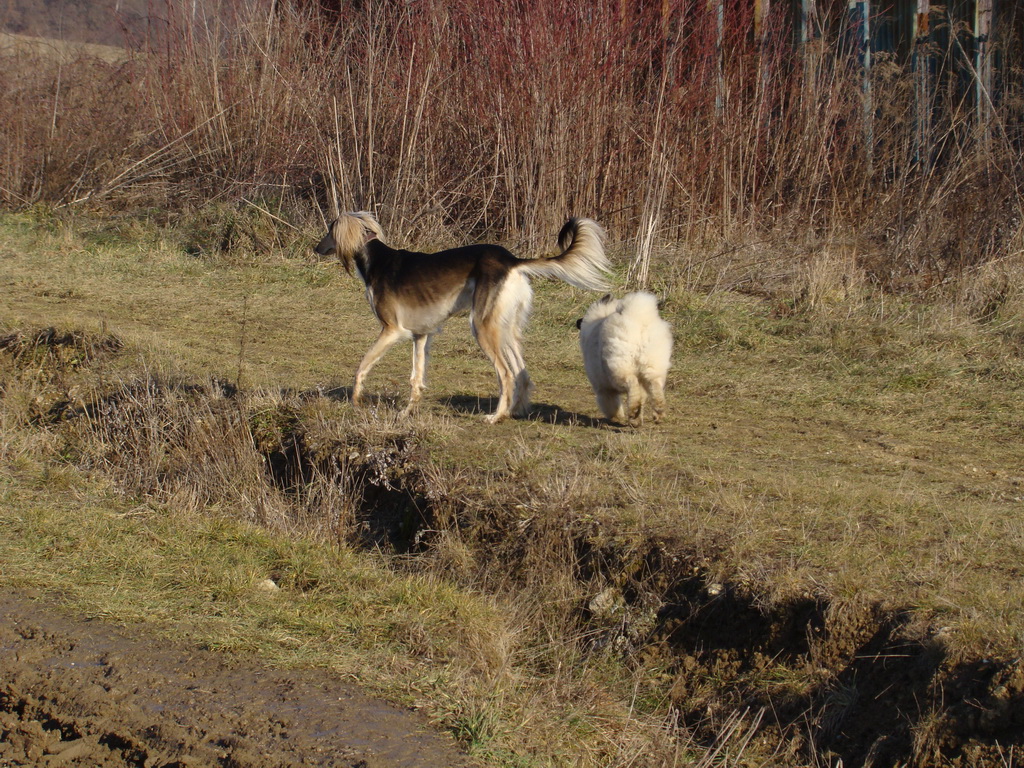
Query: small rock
[70, 750]
[268, 585]
[605, 602]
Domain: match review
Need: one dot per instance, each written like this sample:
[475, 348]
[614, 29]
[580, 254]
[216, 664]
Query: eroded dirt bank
[77, 693]
[820, 680]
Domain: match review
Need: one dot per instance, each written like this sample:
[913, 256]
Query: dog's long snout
[327, 246]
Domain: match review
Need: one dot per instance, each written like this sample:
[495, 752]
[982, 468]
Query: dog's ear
[371, 229]
[606, 298]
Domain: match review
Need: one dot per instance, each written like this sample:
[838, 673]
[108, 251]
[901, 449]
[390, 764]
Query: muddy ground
[75, 692]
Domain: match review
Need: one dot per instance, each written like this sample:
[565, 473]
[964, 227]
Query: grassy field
[21, 45]
[837, 452]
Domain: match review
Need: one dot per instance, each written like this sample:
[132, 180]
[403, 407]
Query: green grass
[862, 452]
[197, 577]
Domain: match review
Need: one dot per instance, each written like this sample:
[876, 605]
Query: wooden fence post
[921, 64]
[717, 8]
[860, 23]
[983, 69]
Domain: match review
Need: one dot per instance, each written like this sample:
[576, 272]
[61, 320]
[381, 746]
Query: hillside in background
[104, 22]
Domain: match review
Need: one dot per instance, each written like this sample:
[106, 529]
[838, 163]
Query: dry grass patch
[50, 49]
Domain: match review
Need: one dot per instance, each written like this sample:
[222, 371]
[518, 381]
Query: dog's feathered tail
[582, 261]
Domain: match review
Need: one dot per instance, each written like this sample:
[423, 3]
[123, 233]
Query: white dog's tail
[641, 306]
[582, 261]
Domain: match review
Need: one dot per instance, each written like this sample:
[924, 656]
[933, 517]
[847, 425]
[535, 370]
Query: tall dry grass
[477, 118]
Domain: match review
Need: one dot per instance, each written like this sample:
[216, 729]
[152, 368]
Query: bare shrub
[189, 446]
[993, 292]
[461, 120]
[834, 277]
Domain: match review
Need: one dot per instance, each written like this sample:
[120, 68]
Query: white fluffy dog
[627, 349]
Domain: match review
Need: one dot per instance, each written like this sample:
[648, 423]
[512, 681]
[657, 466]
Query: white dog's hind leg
[610, 403]
[656, 389]
[636, 395]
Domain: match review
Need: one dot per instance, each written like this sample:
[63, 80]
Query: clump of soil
[851, 684]
[61, 348]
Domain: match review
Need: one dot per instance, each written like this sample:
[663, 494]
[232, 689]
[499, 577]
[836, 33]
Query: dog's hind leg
[519, 296]
[523, 390]
[636, 395]
[656, 390]
[488, 336]
[610, 403]
[498, 308]
[522, 385]
[389, 334]
[420, 355]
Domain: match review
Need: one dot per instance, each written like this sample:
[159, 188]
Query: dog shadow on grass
[371, 400]
[542, 412]
[343, 394]
[338, 394]
[470, 405]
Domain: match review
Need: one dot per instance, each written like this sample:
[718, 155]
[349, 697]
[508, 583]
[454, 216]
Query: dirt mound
[67, 348]
[76, 693]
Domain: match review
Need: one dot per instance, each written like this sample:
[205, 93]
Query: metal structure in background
[920, 65]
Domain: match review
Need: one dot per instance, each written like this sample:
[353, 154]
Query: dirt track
[76, 693]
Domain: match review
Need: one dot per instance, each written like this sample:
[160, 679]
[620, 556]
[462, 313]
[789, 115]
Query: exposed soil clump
[68, 347]
[836, 683]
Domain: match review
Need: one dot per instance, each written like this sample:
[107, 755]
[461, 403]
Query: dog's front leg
[389, 334]
[420, 354]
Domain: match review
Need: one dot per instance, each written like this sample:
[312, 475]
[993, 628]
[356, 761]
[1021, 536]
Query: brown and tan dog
[413, 294]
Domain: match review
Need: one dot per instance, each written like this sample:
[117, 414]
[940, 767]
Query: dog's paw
[494, 418]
